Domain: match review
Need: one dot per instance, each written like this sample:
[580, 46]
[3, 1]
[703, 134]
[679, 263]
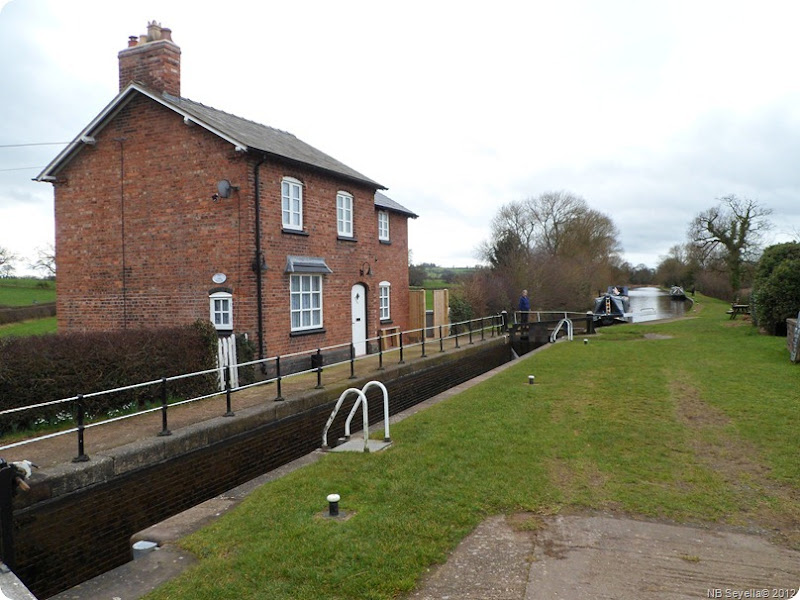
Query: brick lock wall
[138, 237]
[63, 541]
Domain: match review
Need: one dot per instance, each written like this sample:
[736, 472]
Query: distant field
[436, 280]
[24, 291]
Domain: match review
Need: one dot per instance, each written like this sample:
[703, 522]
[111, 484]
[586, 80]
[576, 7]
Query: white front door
[358, 302]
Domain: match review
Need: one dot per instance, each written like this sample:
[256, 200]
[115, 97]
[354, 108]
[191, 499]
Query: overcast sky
[648, 110]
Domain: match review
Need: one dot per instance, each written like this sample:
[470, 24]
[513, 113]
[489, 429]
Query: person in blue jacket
[524, 306]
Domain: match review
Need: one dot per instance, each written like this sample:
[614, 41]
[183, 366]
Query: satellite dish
[224, 188]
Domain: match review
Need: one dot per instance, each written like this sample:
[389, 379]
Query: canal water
[651, 304]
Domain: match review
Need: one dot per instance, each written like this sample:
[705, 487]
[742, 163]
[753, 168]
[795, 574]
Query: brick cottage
[167, 211]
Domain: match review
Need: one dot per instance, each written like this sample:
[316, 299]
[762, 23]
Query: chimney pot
[153, 60]
[153, 31]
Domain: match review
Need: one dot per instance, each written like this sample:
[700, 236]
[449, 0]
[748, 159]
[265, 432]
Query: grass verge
[690, 421]
[27, 328]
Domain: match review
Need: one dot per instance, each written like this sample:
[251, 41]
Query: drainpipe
[121, 142]
[259, 261]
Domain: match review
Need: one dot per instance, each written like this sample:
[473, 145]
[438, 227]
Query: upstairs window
[384, 289]
[221, 306]
[344, 214]
[383, 226]
[306, 301]
[292, 203]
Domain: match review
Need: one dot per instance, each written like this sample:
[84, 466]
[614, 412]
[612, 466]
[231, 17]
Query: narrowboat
[676, 293]
[613, 306]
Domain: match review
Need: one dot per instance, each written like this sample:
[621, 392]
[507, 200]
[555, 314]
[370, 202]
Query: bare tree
[7, 260]
[553, 223]
[735, 227]
[555, 215]
[45, 261]
[555, 246]
[512, 234]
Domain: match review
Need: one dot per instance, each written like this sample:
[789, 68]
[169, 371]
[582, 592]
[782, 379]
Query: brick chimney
[152, 59]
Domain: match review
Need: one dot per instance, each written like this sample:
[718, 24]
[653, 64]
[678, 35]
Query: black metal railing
[279, 368]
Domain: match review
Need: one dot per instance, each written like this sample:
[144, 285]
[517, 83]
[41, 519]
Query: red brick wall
[159, 222]
[157, 64]
[345, 258]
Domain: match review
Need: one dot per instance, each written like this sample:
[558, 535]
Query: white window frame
[220, 306]
[305, 302]
[384, 300]
[383, 225]
[292, 203]
[344, 214]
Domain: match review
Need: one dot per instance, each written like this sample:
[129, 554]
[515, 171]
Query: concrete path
[601, 557]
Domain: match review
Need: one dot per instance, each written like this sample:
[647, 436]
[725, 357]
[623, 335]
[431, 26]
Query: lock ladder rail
[361, 402]
[562, 322]
[386, 437]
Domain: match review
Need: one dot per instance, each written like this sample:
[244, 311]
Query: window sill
[386, 242]
[294, 231]
[303, 332]
[344, 238]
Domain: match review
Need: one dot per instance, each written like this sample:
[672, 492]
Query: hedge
[51, 367]
[23, 313]
[776, 288]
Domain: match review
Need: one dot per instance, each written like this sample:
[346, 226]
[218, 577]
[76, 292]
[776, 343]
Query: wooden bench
[390, 336]
[738, 309]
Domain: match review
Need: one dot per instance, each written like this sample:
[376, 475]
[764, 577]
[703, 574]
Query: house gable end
[86, 136]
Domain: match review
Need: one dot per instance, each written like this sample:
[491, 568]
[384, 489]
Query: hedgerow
[52, 367]
[776, 288]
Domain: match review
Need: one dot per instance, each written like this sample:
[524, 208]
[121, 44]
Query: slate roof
[245, 134]
[386, 203]
[265, 139]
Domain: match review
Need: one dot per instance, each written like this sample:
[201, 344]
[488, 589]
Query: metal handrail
[362, 397]
[386, 437]
[565, 314]
[568, 323]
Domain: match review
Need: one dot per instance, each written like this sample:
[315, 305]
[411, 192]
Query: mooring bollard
[333, 505]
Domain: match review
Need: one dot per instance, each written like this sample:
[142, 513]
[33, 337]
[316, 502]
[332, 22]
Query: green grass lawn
[691, 421]
[26, 328]
[24, 291]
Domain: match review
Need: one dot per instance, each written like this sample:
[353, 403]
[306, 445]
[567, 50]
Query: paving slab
[605, 557]
[601, 557]
[492, 563]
